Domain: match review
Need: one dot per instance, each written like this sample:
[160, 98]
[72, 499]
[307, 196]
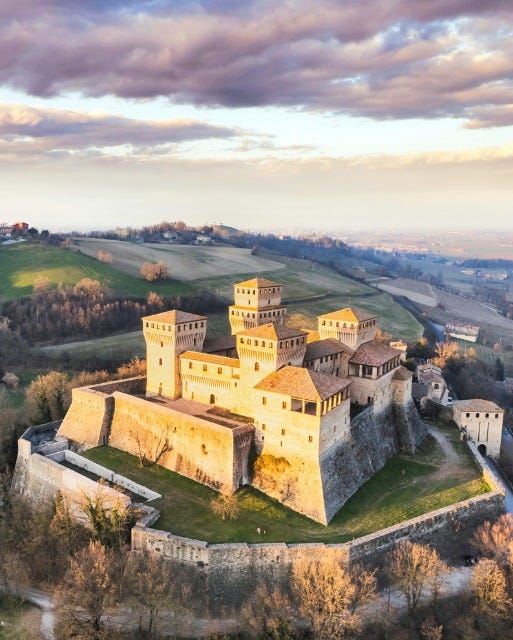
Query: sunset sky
[319, 114]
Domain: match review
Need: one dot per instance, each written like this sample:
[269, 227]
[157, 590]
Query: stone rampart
[232, 570]
[207, 452]
[87, 421]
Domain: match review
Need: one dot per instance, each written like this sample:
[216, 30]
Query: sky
[315, 114]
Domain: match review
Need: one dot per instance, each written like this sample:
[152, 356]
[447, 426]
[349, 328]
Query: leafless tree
[328, 596]
[489, 587]
[416, 568]
[226, 506]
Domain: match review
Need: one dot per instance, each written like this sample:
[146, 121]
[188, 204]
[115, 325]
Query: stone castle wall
[88, 419]
[209, 453]
[231, 571]
[39, 478]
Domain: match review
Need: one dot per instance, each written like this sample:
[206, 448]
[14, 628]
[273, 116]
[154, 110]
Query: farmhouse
[270, 405]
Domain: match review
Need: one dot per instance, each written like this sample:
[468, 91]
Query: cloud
[399, 59]
[34, 130]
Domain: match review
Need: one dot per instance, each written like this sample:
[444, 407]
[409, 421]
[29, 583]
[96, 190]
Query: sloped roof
[476, 404]
[348, 315]
[327, 347]
[222, 343]
[257, 283]
[302, 383]
[210, 357]
[402, 374]
[174, 316]
[271, 331]
[374, 354]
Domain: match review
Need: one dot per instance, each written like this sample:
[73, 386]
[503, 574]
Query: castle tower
[348, 326]
[263, 350]
[167, 335]
[257, 302]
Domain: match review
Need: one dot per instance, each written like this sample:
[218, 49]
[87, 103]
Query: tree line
[89, 309]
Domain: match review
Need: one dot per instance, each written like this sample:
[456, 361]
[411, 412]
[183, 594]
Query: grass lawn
[19, 619]
[21, 264]
[408, 485]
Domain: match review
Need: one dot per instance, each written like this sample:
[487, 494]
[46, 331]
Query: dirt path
[450, 455]
[44, 602]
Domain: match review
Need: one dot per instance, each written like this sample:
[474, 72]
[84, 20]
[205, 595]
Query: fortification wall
[347, 465]
[209, 453]
[231, 571]
[88, 419]
[39, 479]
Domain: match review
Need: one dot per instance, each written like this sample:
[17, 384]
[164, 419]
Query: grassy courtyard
[406, 487]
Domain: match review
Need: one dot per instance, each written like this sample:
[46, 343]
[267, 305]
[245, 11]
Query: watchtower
[167, 335]
[348, 326]
[257, 302]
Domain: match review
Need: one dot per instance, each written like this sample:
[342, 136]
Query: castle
[269, 405]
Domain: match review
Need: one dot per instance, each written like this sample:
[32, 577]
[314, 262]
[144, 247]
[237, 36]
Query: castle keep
[283, 393]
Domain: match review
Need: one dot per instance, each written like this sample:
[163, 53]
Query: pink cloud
[403, 58]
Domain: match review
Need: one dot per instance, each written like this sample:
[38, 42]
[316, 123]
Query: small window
[257, 366]
[204, 367]
[284, 405]
[467, 415]
[310, 438]
[160, 361]
[283, 432]
[496, 415]
[219, 369]
[264, 400]
[190, 365]
[487, 415]
[477, 415]
[263, 427]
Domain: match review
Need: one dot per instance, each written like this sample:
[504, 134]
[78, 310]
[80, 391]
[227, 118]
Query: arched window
[257, 366]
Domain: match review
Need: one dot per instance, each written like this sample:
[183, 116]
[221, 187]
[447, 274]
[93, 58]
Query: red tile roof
[374, 354]
[301, 383]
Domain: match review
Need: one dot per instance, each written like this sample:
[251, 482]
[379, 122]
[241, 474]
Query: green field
[406, 487]
[309, 289]
[22, 264]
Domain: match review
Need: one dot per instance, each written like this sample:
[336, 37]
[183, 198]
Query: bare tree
[328, 596]
[489, 587]
[267, 614]
[89, 588]
[149, 586]
[495, 541]
[416, 569]
[444, 351]
[153, 271]
[226, 506]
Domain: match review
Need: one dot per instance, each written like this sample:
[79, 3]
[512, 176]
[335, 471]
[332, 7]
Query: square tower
[167, 335]
[257, 302]
[349, 326]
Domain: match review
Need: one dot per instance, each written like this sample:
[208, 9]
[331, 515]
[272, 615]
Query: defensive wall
[92, 408]
[231, 571]
[192, 445]
[39, 474]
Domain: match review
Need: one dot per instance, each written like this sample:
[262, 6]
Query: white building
[481, 422]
